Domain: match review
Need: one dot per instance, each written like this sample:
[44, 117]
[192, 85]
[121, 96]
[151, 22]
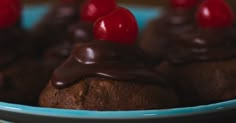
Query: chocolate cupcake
[202, 61]
[109, 73]
[17, 70]
[51, 29]
[178, 18]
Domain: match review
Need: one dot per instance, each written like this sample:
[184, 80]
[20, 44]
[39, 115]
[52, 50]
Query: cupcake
[51, 29]
[79, 32]
[17, 70]
[178, 18]
[109, 73]
[202, 60]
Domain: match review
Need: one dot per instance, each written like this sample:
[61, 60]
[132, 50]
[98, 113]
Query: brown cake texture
[204, 82]
[107, 94]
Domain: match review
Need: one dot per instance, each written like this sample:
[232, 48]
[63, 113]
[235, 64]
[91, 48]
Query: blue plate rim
[142, 114]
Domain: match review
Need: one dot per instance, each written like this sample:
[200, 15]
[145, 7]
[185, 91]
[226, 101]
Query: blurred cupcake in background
[21, 78]
[176, 19]
[53, 26]
[202, 60]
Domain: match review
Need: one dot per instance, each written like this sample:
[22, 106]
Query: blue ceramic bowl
[219, 112]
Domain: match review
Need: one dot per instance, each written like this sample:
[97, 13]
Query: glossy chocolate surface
[104, 59]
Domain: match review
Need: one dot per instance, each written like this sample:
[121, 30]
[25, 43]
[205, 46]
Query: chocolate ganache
[203, 44]
[104, 59]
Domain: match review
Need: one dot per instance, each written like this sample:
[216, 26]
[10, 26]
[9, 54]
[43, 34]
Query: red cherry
[93, 9]
[186, 4]
[10, 11]
[215, 14]
[119, 26]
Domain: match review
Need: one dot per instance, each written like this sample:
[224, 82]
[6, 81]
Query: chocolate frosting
[203, 44]
[104, 59]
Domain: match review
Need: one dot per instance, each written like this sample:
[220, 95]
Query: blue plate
[218, 112]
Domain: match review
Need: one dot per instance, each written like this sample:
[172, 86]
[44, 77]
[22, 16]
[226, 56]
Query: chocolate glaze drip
[103, 59]
[203, 44]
